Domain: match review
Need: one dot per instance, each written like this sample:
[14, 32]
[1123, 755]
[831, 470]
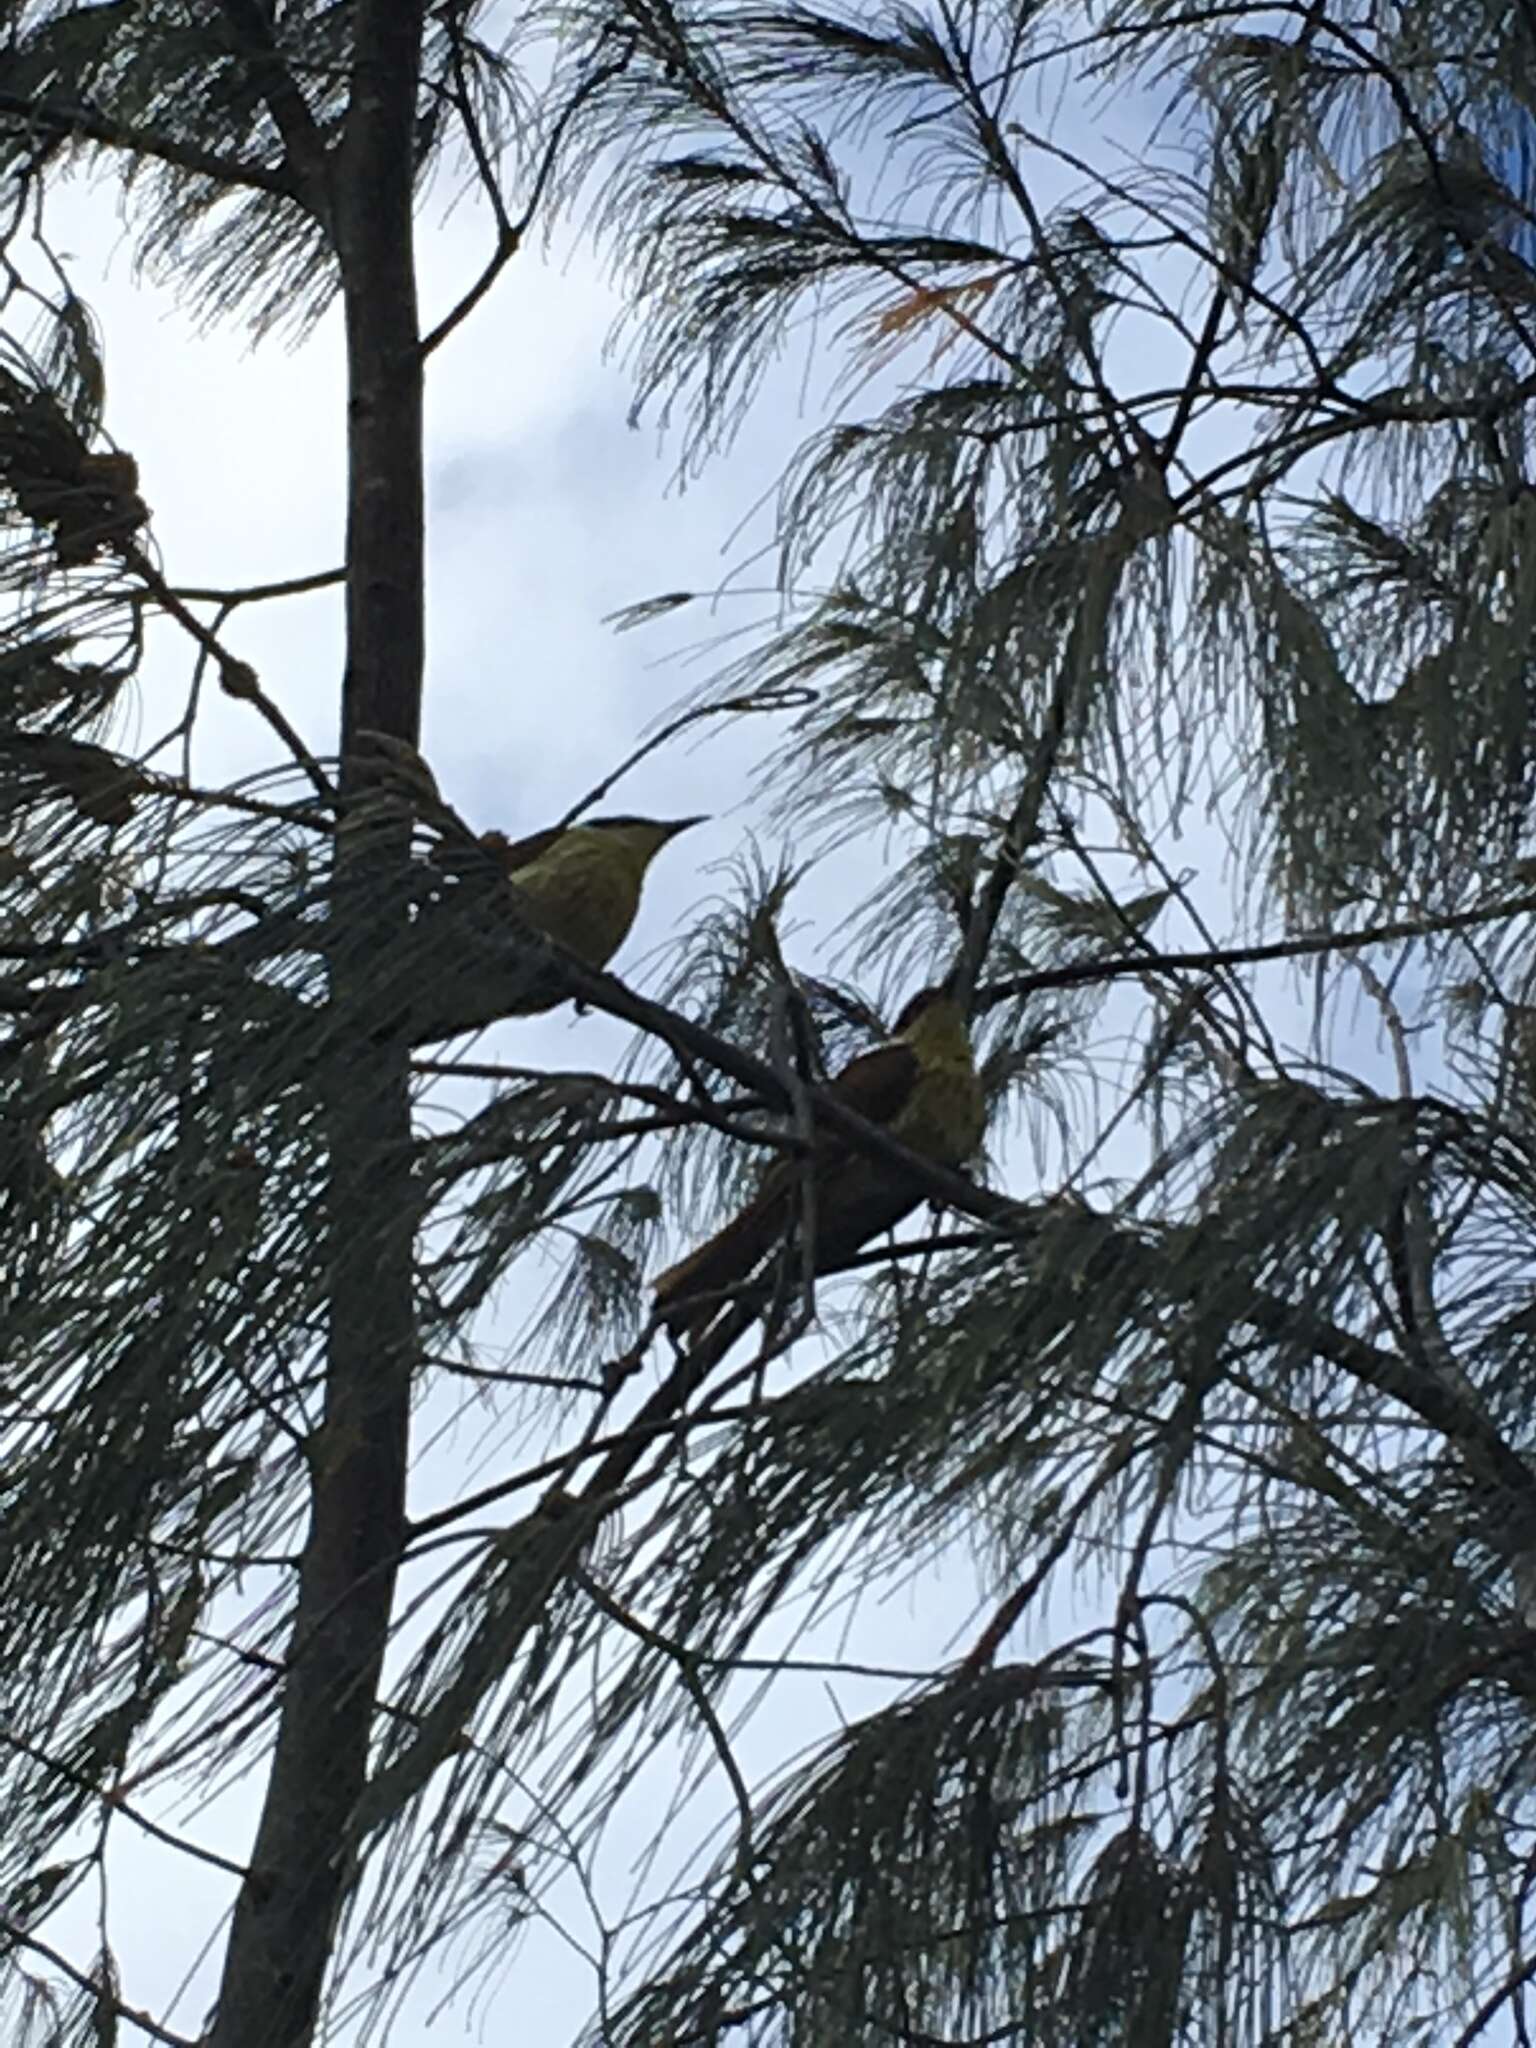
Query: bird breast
[584, 892]
[945, 1116]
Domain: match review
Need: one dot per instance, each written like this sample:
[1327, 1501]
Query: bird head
[642, 838]
[938, 1005]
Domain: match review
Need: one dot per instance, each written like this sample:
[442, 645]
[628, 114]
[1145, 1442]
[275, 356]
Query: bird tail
[688, 1294]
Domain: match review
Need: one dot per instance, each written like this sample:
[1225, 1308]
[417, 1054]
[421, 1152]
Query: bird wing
[488, 856]
[875, 1085]
[522, 853]
[724, 1260]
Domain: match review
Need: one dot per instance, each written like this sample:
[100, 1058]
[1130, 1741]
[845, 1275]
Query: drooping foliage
[1155, 594]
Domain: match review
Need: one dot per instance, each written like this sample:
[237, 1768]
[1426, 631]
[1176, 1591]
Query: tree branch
[258, 593]
[509, 232]
[1114, 967]
[14, 1931]
[302, 1864]
[305, 154]
[76, 122]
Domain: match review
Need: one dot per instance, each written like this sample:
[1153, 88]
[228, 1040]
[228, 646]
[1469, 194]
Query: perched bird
[578, 884]
[922, 1087]
[582, 884]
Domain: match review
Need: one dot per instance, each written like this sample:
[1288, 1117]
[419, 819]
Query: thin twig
[258, 593]
[510, 233]
[688, 1671]
[1074, 973]
[787, 699]
[93, 1987]
[237, 677]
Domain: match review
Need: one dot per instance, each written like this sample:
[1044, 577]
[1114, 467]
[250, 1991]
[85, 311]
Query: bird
[577, 884]
[921, 1086]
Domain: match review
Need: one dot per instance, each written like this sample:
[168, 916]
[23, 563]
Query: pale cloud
[547, 510]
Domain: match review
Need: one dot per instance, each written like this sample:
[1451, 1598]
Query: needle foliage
[1152, 643]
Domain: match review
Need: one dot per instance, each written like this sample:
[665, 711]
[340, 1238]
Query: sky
[548, 512]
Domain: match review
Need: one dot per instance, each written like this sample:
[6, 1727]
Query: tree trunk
[285, 1918]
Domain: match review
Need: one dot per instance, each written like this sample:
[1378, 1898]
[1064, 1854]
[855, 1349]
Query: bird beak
[676, 825]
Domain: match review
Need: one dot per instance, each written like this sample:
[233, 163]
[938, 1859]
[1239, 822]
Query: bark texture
[283, 1932]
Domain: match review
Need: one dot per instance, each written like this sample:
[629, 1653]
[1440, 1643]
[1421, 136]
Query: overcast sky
[547, 511]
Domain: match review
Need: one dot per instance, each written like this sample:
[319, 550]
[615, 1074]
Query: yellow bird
[922, 1087]
[578, 884]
